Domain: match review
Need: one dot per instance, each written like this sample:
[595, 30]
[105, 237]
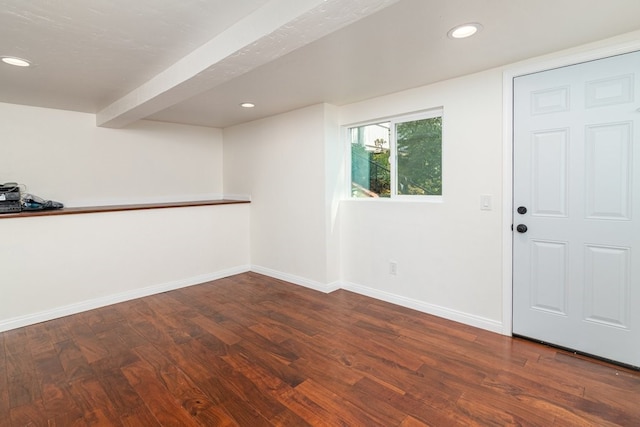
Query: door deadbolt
[522, 210]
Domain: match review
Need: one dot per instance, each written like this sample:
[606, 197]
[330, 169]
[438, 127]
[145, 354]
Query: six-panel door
[577, 172]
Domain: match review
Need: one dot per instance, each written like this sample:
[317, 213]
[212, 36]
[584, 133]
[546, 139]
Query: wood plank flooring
[254, 351]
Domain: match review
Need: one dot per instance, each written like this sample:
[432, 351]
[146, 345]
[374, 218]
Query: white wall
[453, 259]
[297, 227]
[57, 265]
[448, 253]
[62, 155]
[303, 230]
[336, 189]
[280, 162]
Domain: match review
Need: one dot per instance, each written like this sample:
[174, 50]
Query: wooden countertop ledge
[119, 208]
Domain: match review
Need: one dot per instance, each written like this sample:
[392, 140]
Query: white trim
[423, 113]
[396, 199]
[43, 316]
[443, 312]
[507, 198]
[528, 67]
[297, 280]
[244, 197]
[446, 313]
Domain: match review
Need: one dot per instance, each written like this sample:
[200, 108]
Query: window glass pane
[370, 171]
[419, 157]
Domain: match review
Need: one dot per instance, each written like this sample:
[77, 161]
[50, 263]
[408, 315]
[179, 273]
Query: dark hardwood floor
[254, 351]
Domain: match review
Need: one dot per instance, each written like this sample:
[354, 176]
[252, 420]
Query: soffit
[104, 56]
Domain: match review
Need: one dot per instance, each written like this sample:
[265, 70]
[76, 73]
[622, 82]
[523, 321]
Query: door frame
[599, 50]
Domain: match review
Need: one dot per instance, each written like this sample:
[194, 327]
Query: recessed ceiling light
[464, 30]
[18, 62]
[247, 105]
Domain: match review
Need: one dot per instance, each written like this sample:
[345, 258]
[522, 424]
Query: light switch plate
[485, 202]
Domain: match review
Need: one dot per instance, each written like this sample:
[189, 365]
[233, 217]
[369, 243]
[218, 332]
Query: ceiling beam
[279, 27]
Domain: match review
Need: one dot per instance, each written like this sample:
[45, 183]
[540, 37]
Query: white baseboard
[297, 280]
[445, 313]
[43, 316]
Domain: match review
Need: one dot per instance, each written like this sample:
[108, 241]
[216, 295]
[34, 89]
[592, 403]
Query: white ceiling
[195, 61]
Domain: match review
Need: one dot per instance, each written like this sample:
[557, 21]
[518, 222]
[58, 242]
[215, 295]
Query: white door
[576, 267]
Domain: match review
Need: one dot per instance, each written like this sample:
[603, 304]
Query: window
[398, 157]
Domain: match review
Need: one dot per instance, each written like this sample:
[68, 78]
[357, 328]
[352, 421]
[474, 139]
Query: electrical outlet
[393, 267]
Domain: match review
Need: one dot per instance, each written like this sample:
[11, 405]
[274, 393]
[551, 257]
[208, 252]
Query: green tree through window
[419, 157]
[414, 146]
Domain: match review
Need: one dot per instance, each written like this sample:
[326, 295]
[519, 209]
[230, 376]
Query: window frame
[393, 166]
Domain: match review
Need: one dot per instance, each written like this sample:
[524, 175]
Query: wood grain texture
[120, 208]
[255, 351]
